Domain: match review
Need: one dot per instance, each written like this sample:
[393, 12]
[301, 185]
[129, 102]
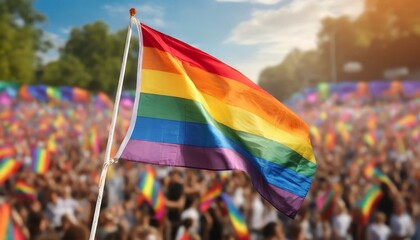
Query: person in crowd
[378, 230]
[402, 226]
[346, 135]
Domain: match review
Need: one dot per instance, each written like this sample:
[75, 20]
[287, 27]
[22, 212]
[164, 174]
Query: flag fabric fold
[194, 111]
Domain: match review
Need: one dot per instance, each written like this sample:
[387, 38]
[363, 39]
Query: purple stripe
[212, 159]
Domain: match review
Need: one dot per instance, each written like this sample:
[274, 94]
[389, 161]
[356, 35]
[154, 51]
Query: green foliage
[68, 71]
[384, 36]
[19, 40]
[96, 54]
[298, 70]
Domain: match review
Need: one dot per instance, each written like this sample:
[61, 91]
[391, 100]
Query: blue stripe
[204, 135]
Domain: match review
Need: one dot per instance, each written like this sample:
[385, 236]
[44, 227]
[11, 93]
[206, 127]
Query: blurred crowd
[346, 135]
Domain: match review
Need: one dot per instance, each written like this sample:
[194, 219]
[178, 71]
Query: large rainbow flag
[194, 111]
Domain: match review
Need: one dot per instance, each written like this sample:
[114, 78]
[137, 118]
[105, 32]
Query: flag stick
[107, 158]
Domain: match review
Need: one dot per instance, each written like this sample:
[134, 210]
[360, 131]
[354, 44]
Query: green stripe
[179, 109]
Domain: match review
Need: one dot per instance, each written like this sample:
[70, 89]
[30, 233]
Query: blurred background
[350, 69]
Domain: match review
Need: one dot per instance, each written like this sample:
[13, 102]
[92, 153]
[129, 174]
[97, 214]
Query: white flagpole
[107, 159]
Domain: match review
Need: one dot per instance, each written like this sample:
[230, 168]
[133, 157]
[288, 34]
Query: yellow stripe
[175, 85]
[263, 105]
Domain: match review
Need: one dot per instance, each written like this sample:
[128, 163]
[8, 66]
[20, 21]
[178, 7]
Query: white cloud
[57, 43]
[268, 2]
[280, 30]
[152, 14]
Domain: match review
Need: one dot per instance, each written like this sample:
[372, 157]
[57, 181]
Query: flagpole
[107, 158]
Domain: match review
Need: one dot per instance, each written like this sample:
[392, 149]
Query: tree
[19, 40]
[97, 53]
[283, 80]
[385, 36]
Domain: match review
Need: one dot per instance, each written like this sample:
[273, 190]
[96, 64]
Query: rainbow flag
[329, 140]
[52, 145]
[236, 218]
[195, 111]
[150, 190]
[54, 93]
[40, 160]
[80, 95]
[408, 121]
[369, 138]
[370, 171]
[8, 230]
[94, 141]
[208, 198]
[25, 190]
[325, 202]
[368, 202]
[6, 151]
[8, 167]
[103, 100]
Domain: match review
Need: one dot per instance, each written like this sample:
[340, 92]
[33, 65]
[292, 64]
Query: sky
[249, 35]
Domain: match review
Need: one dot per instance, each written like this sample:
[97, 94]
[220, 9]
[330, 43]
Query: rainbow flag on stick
[195, 111]
[8, 230]
[40, 160]
[236, 218]
[150, 190]
[208, 198]
[25, 190]
[8, 167]
[368, 202]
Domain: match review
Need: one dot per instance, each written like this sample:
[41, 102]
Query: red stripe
[193, 56]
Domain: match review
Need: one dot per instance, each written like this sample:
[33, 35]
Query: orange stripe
[265, 106]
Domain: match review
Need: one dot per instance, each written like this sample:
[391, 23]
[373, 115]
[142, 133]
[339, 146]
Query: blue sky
[246, 34]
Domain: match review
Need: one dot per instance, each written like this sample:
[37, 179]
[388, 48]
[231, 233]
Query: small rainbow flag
[150, 190]
[407, 121]
[54, 93]
[8, 167]
[52, 145]
[208, 198]
[94, 141]
[330, 140]
[368, 202]
[236, 218]
[40, 160]
[369, 138]
[8, 230]
[6, 151]
[326, 201]
[80, 95]
[25, 190]
[371, 171]
[103, 100]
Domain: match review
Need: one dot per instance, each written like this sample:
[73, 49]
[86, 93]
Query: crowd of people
[346, 136]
